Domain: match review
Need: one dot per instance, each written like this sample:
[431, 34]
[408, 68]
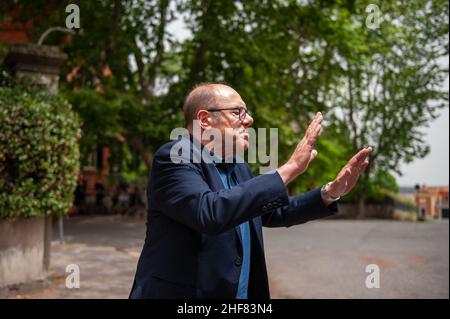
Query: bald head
[203, 97]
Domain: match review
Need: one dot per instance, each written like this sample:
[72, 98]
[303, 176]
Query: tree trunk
[361, 207]
[361, 203]
[136, 143]
[148, 159]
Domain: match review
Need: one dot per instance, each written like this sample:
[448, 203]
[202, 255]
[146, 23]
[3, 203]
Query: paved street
[322, 259]
[327, 259]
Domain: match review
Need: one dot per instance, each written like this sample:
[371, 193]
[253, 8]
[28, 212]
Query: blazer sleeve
[301, 209]
[180, 191]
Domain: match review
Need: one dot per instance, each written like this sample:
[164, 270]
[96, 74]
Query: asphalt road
[328, 259]
[322, 259]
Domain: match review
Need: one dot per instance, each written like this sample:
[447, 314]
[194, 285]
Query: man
[204, 229]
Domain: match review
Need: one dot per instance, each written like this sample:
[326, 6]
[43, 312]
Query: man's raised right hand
[304, 152]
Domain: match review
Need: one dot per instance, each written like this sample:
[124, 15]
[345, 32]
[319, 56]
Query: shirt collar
[220, 163]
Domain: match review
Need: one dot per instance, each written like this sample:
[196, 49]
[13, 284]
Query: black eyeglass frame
[233, 108]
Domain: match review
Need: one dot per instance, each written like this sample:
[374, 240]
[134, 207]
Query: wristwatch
[326, 195]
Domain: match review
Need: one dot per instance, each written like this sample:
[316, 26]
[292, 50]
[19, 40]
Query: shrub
[39, 153]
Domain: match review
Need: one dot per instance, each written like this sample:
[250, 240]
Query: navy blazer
[192, 247]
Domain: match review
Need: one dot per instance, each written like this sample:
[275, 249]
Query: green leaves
[39, 154]
[288, 60]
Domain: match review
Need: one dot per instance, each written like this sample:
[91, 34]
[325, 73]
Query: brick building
[432, 202]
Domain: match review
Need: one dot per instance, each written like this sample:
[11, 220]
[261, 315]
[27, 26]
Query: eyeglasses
[242, 111]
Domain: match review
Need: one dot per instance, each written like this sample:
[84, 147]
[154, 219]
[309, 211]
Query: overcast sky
[433, 170]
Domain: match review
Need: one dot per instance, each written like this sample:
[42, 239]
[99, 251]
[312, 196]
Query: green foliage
[378, 188]
[4, 48]
[288, 60]
[390, 79]
[39, 154]
[100, 119]
[122, 122]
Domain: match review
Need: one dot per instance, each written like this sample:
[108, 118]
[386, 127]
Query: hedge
[39, 154]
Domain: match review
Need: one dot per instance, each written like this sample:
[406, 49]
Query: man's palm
[349, 174]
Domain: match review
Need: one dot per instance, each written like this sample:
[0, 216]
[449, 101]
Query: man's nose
[248, 120]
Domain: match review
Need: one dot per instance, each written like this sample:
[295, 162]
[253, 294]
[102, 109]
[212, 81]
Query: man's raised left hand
[349, 174]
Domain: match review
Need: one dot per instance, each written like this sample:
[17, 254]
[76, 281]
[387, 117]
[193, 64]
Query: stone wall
[25, 242]
[376, 211]
[22, 250]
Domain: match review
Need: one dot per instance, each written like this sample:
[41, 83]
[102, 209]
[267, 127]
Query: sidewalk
[323, 259]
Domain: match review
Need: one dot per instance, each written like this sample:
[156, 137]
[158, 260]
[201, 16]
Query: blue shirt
[228, 181]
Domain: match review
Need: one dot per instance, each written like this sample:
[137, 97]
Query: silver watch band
[326, 194]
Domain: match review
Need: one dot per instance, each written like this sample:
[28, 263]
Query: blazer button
[238, 261]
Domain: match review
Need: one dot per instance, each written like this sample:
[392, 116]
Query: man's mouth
[244, 134]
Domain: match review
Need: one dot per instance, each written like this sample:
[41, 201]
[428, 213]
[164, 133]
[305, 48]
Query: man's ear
[205, 119]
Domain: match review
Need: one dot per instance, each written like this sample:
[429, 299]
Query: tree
[390, 82]
[288, 59]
